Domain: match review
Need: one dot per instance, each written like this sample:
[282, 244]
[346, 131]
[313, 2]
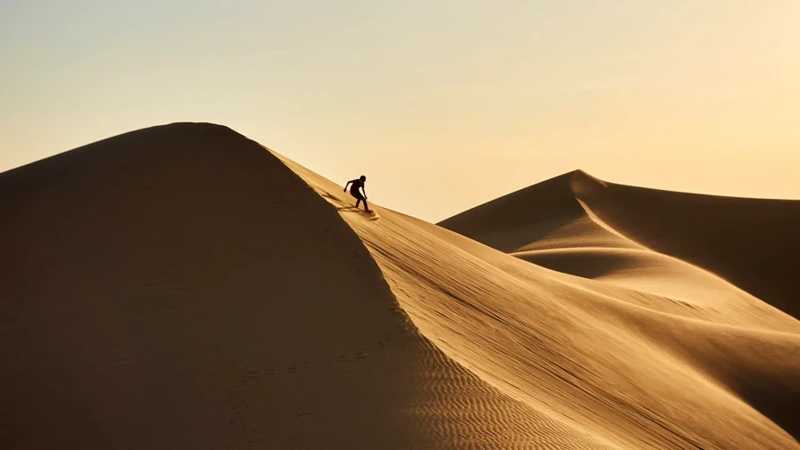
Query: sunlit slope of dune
[179, 288]
[752, 243]
[638, 369]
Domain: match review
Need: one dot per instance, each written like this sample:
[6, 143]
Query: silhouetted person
[354, 191]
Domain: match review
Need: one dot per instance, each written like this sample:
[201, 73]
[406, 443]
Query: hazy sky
[443, 104]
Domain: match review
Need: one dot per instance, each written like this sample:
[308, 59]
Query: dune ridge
[751, 243]
[183, 287]
[513, 308]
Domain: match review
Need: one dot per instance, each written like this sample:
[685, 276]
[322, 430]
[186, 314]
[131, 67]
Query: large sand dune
[184, 287]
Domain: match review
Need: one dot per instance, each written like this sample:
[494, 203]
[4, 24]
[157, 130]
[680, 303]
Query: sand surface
[183, 287]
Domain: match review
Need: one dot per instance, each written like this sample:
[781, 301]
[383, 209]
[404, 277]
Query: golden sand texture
[182, 287]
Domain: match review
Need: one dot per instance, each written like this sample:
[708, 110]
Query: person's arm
[364, 190]
[345, 186]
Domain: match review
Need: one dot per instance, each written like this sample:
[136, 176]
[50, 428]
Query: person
[354, 191]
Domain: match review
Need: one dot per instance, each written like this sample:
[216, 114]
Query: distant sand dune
[753, 243]
[183, 287]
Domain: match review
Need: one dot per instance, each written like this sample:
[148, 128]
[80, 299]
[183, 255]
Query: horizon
[698, 98]
[469, 208]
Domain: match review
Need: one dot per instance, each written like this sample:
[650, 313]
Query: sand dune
[752, 243]
[184, 287]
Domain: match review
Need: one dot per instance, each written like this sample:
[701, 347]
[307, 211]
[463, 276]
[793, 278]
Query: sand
[183, 287]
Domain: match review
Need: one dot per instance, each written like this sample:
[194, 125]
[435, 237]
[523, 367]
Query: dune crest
[750, 243]
[183, 287]
[598, 354]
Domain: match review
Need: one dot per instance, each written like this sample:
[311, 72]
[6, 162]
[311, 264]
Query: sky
[442, 104]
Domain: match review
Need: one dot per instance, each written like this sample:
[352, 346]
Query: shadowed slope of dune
[179, 287]
[753, 243]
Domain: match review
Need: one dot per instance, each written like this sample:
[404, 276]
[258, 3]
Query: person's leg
[360, 198]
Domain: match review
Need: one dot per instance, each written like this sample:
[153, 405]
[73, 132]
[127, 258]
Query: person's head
[363, 178]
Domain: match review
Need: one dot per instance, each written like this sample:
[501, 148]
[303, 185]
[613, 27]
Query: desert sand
[184, 287]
